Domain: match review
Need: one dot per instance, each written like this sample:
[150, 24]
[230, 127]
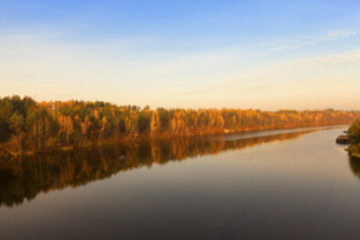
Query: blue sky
[199, 54]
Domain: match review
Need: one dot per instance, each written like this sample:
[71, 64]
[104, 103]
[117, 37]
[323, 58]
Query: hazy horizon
[180, 54]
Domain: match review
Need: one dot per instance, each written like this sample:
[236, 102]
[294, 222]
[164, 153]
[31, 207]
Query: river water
[288, 184]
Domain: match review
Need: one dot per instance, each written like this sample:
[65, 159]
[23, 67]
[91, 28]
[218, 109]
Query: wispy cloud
[315, 64]
[205, 89]
[264, 77]
[303, 41]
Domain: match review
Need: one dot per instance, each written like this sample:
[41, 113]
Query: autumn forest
[27, 126]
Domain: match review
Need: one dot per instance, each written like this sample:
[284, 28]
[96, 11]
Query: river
[285, 184]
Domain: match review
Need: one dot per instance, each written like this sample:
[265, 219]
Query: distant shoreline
[168, 137]
[27, 126]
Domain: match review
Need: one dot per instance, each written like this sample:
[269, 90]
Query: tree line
[27, 126]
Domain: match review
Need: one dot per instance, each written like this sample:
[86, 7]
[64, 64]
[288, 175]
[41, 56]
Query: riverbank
[354, 150]
[6, 152]
[353, 134]
[27, 126]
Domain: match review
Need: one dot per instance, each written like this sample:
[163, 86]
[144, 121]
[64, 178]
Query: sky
[266, 55]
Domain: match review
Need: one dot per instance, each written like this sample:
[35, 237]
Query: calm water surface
[290, 184]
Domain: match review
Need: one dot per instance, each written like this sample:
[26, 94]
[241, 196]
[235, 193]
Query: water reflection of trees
[22, 179]
[355, 166]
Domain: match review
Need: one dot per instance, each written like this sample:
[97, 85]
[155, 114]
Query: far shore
[136, 139]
